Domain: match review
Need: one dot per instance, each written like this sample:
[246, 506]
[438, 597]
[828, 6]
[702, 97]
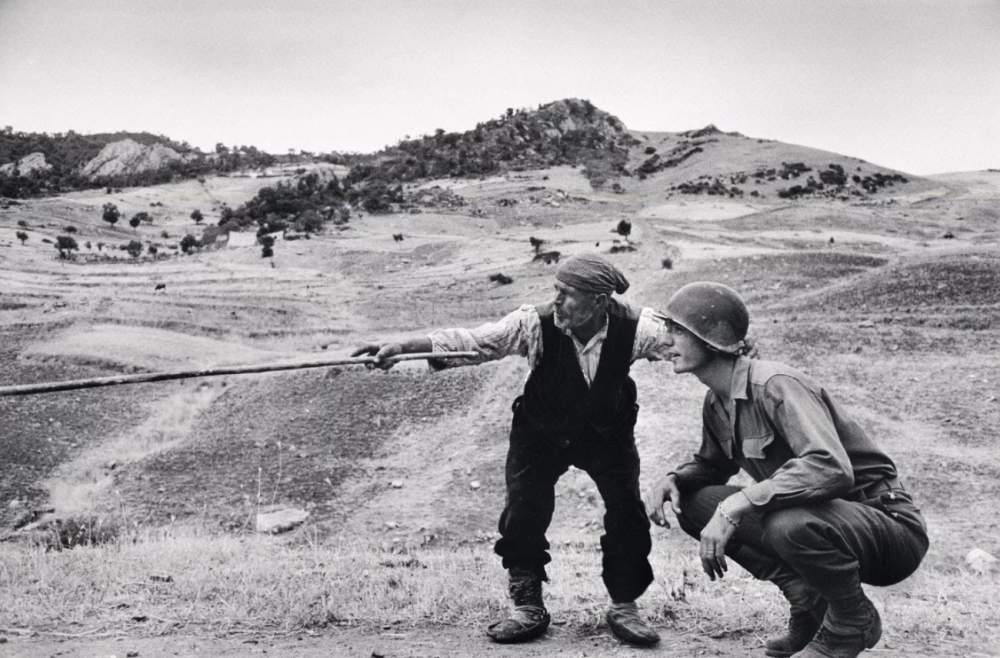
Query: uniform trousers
[833, 546]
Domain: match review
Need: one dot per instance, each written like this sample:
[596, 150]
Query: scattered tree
[624, 229]
[22, 223]
[134, 248]
[536, 243]
[164, 235]
[22, 236]
[70, 229]
[267, 246]
[152, 249]
[143, 216]
[134, 222]
[111, 214]
[66, 245]
[197, 216]
[188, 242]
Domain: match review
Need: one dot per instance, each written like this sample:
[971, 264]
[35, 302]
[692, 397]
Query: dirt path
[428, 642]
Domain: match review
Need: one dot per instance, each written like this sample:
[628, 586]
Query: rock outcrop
[26, 165]
[129, 157]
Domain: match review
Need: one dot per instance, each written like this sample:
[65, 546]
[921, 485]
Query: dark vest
[556, 397]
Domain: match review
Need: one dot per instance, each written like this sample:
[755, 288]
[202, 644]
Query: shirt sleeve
[517, 333]
[710, 465]
[652, 339]
[820, 468]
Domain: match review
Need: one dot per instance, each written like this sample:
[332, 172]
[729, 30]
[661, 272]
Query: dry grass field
[892, 300]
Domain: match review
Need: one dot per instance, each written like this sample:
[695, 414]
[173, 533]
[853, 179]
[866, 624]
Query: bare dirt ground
[902, 322]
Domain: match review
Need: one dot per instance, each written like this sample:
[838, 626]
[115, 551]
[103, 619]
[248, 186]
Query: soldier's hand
[750, 347]
[714, 537]
[663, 491]
[381, 353]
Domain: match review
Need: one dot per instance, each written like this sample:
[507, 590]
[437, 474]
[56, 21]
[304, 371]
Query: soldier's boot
[807, 605]
[850, 627]
[529, 618]
[807, 611]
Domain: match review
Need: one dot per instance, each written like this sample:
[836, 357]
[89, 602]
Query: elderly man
[826, 512]
[578, 409]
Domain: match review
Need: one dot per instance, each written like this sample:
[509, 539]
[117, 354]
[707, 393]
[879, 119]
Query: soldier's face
[688, 353]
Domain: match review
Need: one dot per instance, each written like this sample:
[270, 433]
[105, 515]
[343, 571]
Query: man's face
[689, 353]
[574, 308]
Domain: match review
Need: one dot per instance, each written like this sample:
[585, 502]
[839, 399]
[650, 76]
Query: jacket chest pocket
[753, 447]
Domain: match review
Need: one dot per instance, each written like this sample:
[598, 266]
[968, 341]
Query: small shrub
[66, 533]
[70, 229]
[667, 263]
[619, 248]
[547, 257]
[501, 278]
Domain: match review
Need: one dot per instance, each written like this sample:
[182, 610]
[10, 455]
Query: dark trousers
[833, 546]
[535, 461]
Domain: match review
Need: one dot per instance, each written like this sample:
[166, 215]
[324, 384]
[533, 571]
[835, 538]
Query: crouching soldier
[826, 512]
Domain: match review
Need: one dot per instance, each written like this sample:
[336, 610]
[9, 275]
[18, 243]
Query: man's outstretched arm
[383, 352]
[517, 333]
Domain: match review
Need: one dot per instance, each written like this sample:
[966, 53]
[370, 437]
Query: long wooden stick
[71, 385]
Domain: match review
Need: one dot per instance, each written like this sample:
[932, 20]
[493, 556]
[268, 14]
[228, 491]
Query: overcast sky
[908, 84]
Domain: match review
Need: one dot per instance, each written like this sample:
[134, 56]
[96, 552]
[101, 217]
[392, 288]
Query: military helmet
[713, 312]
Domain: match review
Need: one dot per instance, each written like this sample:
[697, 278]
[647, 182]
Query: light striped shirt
[520, 333]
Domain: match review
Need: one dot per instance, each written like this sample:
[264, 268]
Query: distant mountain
[569, 132]
[715, 163]
[67, 152]
[34, 164]
[566, 132]
[129, 157]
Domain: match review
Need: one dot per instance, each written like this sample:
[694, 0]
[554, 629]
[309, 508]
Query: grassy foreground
[226, 585]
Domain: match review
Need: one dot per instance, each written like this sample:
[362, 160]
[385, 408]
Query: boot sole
[526, 634]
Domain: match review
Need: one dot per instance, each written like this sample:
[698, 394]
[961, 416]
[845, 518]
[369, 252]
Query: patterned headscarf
[592, 273]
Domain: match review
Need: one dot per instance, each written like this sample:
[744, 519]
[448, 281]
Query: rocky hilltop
[129, 157]
[27, 164]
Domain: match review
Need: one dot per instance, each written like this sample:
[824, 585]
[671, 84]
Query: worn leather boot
[802, 628]
[625, 622]
[830, 644]
[529, 618]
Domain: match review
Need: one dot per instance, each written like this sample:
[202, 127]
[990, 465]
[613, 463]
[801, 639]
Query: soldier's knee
[787, 528]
